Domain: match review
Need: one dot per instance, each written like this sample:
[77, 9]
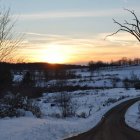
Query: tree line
[121, 62]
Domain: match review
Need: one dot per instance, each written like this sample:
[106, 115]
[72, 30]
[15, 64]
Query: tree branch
[131, 28]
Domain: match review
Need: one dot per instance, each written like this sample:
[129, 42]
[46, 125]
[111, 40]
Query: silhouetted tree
[91, 66]
[9, 42]
[28, 79]
[65, 104]
[132, 28]
[5, 77]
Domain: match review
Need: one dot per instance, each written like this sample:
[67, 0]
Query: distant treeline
[46, 66]
[122, 62]
[37, 66]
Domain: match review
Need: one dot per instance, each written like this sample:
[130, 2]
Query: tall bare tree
[9, 42]
[132, 28]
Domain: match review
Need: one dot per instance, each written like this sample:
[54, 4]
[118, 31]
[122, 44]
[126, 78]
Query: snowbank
[132, 116]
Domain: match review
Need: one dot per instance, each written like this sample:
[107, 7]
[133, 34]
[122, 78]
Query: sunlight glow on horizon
[53, 53]
[68, 50]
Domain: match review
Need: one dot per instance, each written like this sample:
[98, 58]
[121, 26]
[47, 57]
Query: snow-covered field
[132, 116]
[90, 106]
[102, 78]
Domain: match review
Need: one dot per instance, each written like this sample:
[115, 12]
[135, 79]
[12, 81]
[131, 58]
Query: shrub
[133, 76]
[139, 107]
[5, 77]
[7, 111]
[114, 81]
[137, 85]
[109, 101]
[82, 115]
[65, 104]
[28, 79]
[15, 105]
[113, 100]
[126, 83]
[34, 108]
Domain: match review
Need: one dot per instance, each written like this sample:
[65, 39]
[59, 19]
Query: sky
[73, 31]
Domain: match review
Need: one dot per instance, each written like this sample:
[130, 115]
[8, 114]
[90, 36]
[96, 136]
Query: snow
[84, 99]
[101, 78]
[132, 116]
[17, 77]
[52, 127]
[97, 99]
[36, 129]
[20, 128]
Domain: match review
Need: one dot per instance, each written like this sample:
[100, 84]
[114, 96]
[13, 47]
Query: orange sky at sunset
[62, 49]
[73, 31]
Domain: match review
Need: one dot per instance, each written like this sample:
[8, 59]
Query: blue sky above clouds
[69, 16]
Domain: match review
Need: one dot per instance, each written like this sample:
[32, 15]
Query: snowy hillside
[106, 89]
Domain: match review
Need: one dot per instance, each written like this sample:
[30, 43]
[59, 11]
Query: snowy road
[112, 126]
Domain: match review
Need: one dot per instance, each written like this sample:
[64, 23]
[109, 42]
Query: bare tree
[131, 27]
[8, 41]
[66, 105]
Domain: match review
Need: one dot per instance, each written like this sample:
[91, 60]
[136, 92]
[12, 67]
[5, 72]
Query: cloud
[88, 41]
[70, 14]
[126, 1]
[80, 49]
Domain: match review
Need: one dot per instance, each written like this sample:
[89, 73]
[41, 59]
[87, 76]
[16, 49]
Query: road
[112, 126]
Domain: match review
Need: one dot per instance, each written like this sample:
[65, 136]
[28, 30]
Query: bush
[82, 115]
[113, 100]
[133, 81]
[5, 77]
[134, 77]
[127, 83]
[110, 101]
[15, 105]
[114, 81]
[28, 79]
[7, 111]
[65, 104]
[139, 107]
[137, 85]
[30, 92]
[34, 108]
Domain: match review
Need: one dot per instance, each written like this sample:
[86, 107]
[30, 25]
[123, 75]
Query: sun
[55, 54]
[55, 57]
